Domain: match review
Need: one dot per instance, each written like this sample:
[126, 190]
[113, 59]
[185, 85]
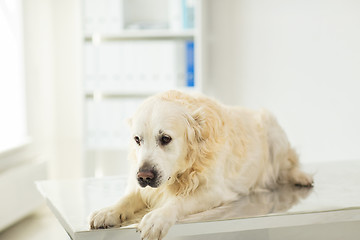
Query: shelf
[131, 51]
[140, 93]
[97, 95]
[131, 35]
[107, 149]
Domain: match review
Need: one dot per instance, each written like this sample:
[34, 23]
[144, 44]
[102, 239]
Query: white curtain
[12, 94]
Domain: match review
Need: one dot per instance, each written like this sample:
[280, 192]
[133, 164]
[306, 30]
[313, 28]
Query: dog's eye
[165, 139]
[137, 140]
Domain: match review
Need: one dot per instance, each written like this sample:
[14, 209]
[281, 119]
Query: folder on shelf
[181, 14]
[106, 126]
[188, 13]
[190, 77]
[103, 16]
[138, 66]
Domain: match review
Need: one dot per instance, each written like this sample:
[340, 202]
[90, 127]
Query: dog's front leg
[157, 223]
[115, 215]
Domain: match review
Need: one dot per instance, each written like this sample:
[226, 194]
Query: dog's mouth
[150, 178]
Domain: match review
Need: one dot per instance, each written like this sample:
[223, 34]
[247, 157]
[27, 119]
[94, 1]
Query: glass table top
[334, 197]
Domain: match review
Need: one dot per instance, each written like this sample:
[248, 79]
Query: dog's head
[171, 139]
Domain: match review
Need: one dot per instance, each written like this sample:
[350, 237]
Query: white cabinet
[131, 50]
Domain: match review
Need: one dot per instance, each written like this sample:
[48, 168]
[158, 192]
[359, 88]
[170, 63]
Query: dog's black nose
[146, 177]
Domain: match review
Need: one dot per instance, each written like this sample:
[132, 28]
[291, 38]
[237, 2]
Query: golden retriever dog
[190, 154]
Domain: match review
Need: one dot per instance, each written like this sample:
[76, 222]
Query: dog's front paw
[107, 218]
[302, 179]
[156, 224]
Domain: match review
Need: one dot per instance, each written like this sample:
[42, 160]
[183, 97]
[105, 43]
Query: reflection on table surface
[337, 187]
[256, 204]
[276, 201]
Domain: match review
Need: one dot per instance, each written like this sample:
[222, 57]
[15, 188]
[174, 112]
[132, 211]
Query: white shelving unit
[149, 34]
[132, 50]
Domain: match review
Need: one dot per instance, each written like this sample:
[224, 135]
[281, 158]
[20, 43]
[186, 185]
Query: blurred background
[73, 71]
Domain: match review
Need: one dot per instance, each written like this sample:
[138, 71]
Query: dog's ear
[199, 117]
[205, 134]
[207, 124]
[193, 130]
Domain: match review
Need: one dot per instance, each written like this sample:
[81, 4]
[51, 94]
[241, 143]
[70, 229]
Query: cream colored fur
[217, 153]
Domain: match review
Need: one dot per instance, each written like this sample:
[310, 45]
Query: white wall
[53, 78]
[39, 75]
[12, 115]
[298, 58]
[67, 34]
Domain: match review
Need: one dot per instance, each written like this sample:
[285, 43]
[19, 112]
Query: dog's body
[192, 154]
